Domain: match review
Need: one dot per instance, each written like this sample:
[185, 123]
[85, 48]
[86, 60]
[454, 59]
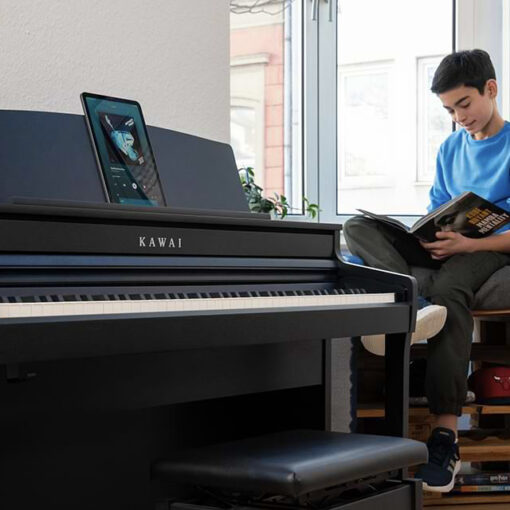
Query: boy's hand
[448, 244]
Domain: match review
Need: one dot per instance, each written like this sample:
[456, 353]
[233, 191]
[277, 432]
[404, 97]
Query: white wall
[171, 55]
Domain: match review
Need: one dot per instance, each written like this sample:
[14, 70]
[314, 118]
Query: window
[242, 136]
[266, 94]
[365, 121]
[339, 95]
[389, 124]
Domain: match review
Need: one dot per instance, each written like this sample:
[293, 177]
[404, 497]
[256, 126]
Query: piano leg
[339, 384]
[397, 384]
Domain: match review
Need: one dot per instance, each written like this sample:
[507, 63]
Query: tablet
[123, 151]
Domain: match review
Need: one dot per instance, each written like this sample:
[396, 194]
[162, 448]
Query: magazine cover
[467, 214]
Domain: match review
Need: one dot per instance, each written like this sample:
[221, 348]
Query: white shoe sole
[429, 322]
[445, 488]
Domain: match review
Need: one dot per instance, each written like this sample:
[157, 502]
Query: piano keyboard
[179, 302]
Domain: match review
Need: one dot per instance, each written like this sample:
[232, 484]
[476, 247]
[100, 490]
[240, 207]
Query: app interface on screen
[128, 165]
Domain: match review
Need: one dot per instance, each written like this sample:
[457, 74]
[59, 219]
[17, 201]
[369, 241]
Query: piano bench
[301, 463]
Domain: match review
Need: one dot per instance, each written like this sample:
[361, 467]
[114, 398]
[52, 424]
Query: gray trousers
[453, 285]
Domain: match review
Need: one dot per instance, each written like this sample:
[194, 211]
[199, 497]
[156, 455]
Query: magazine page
[431, 215]
[385, 219]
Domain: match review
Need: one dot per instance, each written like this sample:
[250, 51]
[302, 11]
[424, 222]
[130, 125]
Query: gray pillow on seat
[494, 294]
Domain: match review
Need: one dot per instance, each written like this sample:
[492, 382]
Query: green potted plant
[278, 205]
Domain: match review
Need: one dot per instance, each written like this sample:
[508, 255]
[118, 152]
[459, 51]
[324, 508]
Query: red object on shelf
[491, 385]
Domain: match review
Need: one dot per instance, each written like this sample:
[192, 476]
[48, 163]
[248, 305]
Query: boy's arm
[450, 243]
[495, 242]
[438, 194]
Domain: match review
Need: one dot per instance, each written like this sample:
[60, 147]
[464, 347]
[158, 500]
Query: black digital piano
[127, 332]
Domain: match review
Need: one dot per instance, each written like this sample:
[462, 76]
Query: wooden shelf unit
[493, 328]
[377, 410]
[441, 500]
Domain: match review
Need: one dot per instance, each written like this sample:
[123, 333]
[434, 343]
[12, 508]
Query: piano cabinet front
[82, 433]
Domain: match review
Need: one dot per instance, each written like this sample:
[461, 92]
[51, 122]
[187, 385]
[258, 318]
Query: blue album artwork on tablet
[123, 150]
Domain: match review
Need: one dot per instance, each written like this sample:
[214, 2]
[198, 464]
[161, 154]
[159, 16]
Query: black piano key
[98, 297]
[134, 297]
[181, 295]
[27, 299]
[148, 296]
[193, 295]
[205, 295]
[69, 297]
[215, 295]
[244, 294]
[173, 295]
[84, 297]
[55, 298]
[122, 297]
[160, 295]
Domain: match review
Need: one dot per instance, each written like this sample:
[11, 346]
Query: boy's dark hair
[471, 68]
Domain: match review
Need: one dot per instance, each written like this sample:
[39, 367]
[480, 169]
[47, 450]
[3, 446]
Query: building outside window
[389, 123]
[266, 94]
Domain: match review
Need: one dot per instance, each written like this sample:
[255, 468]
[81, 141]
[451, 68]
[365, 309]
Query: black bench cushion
[291, 463]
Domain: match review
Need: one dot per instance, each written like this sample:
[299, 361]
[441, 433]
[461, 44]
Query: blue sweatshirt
[480, 166]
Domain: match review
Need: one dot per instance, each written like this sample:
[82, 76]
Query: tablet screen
[123, 150]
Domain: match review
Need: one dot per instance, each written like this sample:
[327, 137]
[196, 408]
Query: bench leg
[339, 384]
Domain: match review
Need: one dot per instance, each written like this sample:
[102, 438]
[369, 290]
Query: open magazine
[468, 214]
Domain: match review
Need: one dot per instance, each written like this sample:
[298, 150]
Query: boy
[474, 158]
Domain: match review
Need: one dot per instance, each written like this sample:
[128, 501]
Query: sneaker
[430, 320]
[438, 474]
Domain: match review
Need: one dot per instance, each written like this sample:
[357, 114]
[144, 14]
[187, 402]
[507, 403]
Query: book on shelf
[462, 489]
[482, 479]
[468, 214]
